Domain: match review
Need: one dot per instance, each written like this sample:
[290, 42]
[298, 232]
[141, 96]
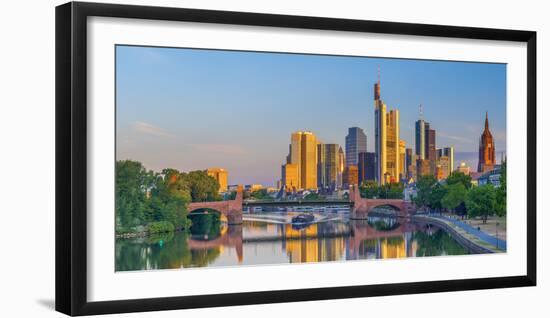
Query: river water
[271, 238]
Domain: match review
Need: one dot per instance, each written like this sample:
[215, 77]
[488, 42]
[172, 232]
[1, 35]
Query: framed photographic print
[212, 158]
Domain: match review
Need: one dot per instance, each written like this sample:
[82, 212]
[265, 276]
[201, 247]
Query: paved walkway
[499, 243]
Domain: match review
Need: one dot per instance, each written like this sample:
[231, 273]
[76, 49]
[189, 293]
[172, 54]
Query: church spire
[486, 120]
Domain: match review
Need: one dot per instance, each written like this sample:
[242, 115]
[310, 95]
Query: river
[270, 238]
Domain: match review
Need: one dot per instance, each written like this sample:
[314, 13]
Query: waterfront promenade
[498, 243]
[469, 232]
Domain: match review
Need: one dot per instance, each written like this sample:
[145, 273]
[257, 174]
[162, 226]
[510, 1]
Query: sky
[191, 109]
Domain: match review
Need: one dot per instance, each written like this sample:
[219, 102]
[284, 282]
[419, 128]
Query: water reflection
[212, 243]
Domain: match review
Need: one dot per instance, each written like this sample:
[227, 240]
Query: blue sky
[191, 109]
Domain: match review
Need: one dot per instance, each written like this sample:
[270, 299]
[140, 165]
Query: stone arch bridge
[231, 209]
[362, 207]
[359, 207]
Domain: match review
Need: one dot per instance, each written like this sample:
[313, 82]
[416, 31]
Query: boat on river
[303, 218]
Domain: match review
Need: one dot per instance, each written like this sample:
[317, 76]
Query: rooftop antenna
[378, 74]
[420, 111]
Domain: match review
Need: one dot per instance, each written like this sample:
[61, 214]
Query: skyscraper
[393, 156]
[356, 142]
[420, 139]
[303, 154]
[430, 151]
[366, 166]
[386, 136]
[486, 149]
[328, 165]
[450, 153]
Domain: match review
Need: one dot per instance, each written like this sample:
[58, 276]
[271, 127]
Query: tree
[202, 186]
[459, 177]
[501, 192]
[131, 186]
[435, 197]
[424, 186]
[481, 201]
[392, 190]
[312, 196]
[261, 194]
[169, 199]
[456, 194]
[369, 189]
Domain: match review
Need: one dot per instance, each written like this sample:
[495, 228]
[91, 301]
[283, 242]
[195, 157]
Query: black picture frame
[71, 157]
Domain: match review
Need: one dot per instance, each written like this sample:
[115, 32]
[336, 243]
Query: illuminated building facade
[386, 136]
[328, 160]
[402, 160]
[220, 175]
[444, 165]
[303, 154]
[341, 165]
[351, 176]
[289, 177]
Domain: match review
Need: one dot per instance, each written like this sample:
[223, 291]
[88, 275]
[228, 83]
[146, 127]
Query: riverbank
[474, 240]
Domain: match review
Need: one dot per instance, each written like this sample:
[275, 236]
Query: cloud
[454, 137]
[220, 149]
[149, 129]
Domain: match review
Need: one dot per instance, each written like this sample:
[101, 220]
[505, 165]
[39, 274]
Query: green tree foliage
[459, 177]
[261, 194]
[424, 186]
[132, 183]
[370, 189]
[148, 200]
[481, 201]
[203, 187]
[169, 198]
[455, 195]
[501, 192]
[312, 196]
[436, 196]
[160, 227]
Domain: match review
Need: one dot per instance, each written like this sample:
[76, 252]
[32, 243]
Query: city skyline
[175, 102]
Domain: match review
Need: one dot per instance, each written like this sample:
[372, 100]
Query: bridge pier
[234, 218]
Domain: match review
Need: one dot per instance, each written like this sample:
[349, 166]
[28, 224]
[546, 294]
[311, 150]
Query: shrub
[161, 227]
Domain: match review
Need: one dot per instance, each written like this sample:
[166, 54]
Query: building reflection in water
[258, 242]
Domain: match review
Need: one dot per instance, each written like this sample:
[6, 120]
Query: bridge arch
[377, 205]
[205, 211]
[362, 206]
[231, 209]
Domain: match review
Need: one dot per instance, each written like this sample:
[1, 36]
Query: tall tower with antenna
[386, 137]
[420, 135]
